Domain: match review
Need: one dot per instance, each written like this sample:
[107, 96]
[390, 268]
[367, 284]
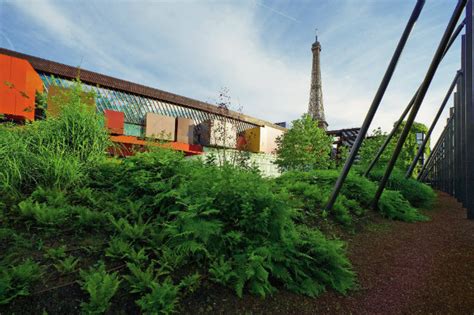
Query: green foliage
[140, 281]
[162, 298]
[356, 195]
[118, 248]
[394, 206]
[16, 280]
[372, 144]
[304, 146]
[236, 221]
[418, 194]
[101, 287]
[56, 152]
[56, 253]
[67, 265]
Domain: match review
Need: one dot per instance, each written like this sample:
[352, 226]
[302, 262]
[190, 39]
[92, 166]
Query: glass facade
[135, 107]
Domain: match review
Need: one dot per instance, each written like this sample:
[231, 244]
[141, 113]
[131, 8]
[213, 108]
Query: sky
[259, 50]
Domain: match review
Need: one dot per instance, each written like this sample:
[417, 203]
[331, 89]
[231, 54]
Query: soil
[402, 268]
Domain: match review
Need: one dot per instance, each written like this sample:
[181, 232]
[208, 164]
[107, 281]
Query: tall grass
[56, 152]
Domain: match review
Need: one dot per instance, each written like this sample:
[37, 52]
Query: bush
[304, 146]
[230, 222]
[418, 194]
[356, 195]
[393, 206]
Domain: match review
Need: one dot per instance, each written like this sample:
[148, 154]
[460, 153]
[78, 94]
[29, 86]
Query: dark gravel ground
[403, 268]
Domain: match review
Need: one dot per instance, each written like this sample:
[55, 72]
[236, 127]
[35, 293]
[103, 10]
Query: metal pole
[457, 132]
[462, 97]
[375, 103]
[407, 109]
[469, 101]
[433, 125]
[420, 96]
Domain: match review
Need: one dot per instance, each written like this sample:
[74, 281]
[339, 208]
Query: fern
[118, 248]
[140, 281]
[133, 232]
[101, 287]
[161, 300]
[16, 280]
[67, 265]
[56, 253]
[190, 283]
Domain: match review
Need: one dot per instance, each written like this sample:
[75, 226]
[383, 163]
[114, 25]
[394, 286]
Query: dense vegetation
[372, 144]
[155, 227]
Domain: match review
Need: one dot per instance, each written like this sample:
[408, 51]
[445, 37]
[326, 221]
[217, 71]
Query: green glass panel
[133, 130]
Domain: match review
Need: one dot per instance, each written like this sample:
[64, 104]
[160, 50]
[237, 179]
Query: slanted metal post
[375, 103]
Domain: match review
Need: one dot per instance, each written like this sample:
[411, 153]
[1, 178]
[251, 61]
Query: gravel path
[403, 268]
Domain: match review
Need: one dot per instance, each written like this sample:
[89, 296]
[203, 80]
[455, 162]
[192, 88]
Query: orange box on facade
[19, 83]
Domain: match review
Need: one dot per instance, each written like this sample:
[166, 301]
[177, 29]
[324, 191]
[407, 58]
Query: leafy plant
[57, 253]
[67, 265]
[101, 287]
[16, 280]
[140, 280]
[118, 248]
[418, 194]
[162, 298]
[304, 146]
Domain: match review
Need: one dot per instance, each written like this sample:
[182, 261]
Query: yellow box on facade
[252, 140]
[262, 139]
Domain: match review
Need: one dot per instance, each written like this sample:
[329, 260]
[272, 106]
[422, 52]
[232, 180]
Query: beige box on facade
[185, 130]
[160, 127]
[262, 139]
[218, 133]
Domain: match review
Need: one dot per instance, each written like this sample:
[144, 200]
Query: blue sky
[260, 50]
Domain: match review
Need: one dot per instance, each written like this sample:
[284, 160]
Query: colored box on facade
[218, 133]
[114, 121]
[185, 130]
[19, 83]
[160, 127]
[262, 139]
[57, 96]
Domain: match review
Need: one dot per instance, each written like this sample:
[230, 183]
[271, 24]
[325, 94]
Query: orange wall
[18, 85]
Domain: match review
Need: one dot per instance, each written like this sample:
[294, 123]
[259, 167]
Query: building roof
[347, 136]
[90, 77]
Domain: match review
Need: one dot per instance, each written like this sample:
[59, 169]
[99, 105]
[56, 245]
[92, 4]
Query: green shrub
[237, 221]
[356, 195]
[418, 194]
[101, 287]
[16, 280]
[393, 206]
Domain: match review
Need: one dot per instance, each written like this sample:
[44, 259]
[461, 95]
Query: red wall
[18, 85]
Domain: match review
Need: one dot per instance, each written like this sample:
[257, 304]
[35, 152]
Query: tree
[304, 146]
[372, 144]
